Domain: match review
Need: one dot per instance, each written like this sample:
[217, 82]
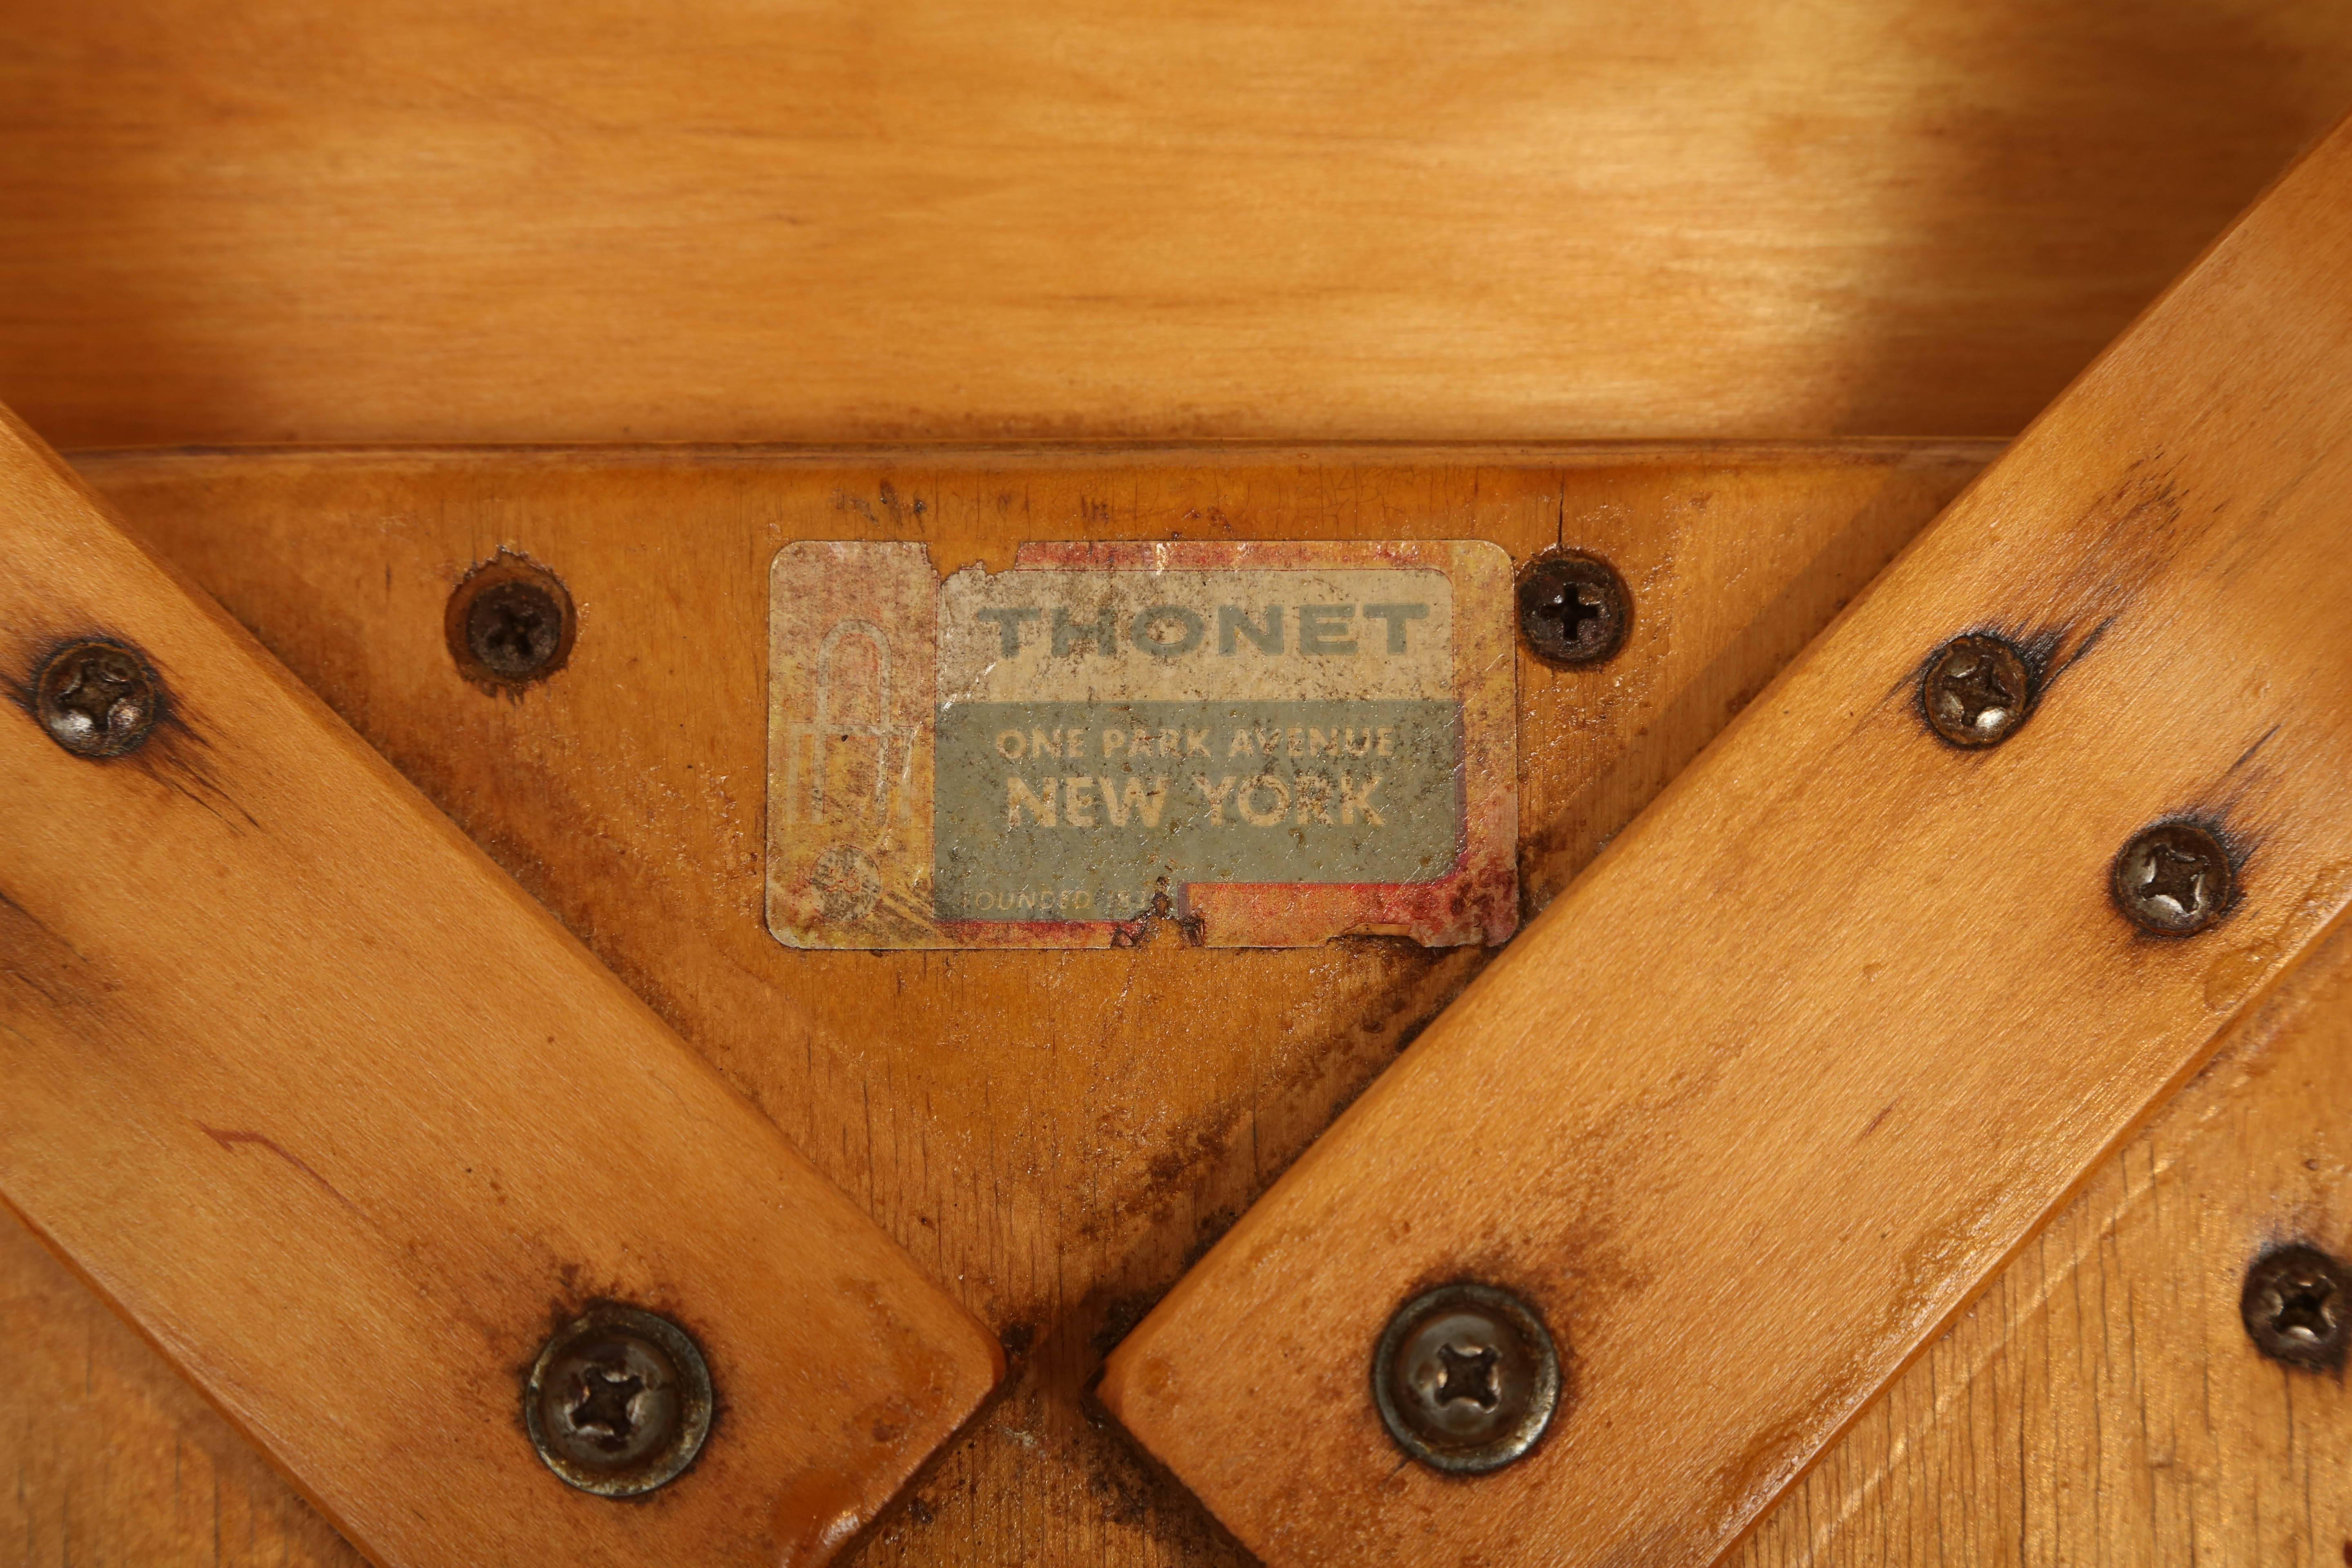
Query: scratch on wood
[2081, 651]
[2248, 754]
[230, 1139]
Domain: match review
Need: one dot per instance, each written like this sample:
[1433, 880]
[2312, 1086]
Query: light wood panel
[346, 1125]
[2107, 1325]
[1058, 1178]
[1755, 1109]
[2102, 1404]
[2109, 1351]
[257, 220]
[121, 1463]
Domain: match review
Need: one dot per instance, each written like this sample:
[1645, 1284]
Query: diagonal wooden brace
[348, 1126]
[1750, 1112]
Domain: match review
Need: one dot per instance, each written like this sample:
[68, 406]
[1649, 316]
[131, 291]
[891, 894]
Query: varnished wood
[129, 1464]
[1771, 1091]
[1057, 1177]
[2102, 1404]
[2117, 1324]
[346, 1124]
[264, 220]
[406, 222]
[2098, 1401]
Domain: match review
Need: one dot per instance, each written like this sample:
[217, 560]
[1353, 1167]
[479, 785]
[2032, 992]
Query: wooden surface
[413, 221]
[2099, 1404]
[1057, 1177]
[262, 220]
[2102, 1404]
[2108, 1351]
[1796, 1097]
[346, 1124]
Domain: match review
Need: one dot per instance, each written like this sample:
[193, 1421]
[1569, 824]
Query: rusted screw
[1466, 1378]
[510, 623]
[1573, 608]
[619, 1402]
[1977, 690]
[97, 699]
[2295, 1308]
[2174, 878]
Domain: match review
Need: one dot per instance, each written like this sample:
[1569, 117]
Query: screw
[2294, 1307]
[1573, 608]
[2173, 880]
[1977, 690]
[510, 622]
[619, 1402]
[1466, 1378]
[97, 699]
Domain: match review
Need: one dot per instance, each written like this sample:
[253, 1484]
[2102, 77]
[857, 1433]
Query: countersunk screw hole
[97, 699]
[619, 1402]
[1573, 608]
[2174, 878]
[2294, 1307]
[510, 623]
[514, 628]
[1978, 690]
[1466, 1378]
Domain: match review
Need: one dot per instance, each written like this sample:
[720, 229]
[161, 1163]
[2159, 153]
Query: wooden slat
[2109, 1348]
[131, 1465]
[1782, 1081]
[1058, 1178]
[2102, 1404]
[2099, 1402]
[319, 1099]
[262, 220]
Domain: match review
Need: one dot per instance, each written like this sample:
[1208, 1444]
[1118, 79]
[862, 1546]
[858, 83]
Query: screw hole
[1466, 1378]
[510, 623]
[97, 699]
[2296, 1308]
[1573, 608]
[2174, 878]
[619, 1402]
[1977, 690]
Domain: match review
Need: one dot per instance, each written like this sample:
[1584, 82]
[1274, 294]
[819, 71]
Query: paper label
[1262, 744]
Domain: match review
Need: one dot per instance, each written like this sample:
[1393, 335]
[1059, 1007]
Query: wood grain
[2117, 1321]
[129, 1465]
[2109, 1349]
[1750, 1075]
[2102, 1404]
[1058, 1178]
[345, 1123]
[264, 220]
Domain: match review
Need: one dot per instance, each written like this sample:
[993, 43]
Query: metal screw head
[1466, 1378]
[97, 699]
[1573, 608]
[1977, 690]
[2174, 878]
[510, 623]
[619, 1402]
[2296, 1309]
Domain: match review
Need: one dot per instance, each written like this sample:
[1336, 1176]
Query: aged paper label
[1259, 745]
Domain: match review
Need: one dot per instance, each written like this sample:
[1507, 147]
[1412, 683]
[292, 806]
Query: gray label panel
[1077, 811]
